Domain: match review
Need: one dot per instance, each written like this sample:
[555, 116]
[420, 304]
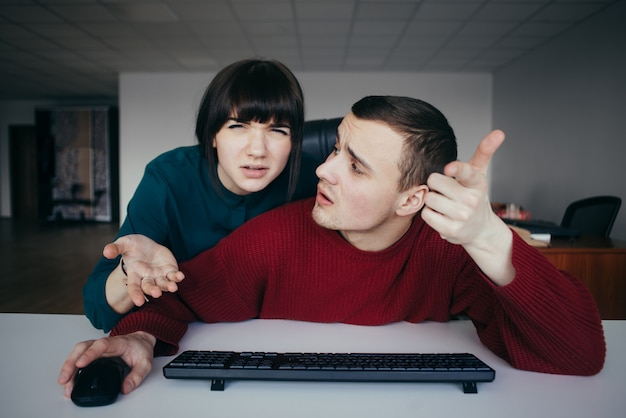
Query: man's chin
[320, 217]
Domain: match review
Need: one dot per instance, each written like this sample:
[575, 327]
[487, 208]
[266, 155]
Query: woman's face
[250, 155]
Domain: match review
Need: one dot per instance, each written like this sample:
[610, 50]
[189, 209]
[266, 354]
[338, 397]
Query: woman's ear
[412, 200]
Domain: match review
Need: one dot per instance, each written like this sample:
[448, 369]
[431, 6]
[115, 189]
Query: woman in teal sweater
[249, 160]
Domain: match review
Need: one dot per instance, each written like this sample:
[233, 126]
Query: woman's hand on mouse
[135, 349]
[150, 268]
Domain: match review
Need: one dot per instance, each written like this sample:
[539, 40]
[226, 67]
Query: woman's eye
[281, 131]
[235, 126]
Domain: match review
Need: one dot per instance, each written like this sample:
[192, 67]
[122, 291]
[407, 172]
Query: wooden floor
[44, 267]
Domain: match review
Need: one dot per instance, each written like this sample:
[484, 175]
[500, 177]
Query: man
[358, 254]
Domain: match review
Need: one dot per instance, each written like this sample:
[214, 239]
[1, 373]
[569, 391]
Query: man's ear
[412, 200]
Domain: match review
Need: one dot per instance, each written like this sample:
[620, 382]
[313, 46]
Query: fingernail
[128, 387]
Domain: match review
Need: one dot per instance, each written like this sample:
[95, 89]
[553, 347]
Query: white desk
[33, 347]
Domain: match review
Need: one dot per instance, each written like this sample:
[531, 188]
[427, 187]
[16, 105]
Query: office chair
[319, 137]
[593, 215]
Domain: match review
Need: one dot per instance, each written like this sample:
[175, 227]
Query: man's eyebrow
[359, 159]
[353, 154]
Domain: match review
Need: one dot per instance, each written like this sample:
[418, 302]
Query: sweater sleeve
[545, 320]
[145, 216]
[166, 318]
[212, 291]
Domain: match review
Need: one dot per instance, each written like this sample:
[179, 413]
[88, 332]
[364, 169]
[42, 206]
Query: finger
[433, 218]
[136, 375]
[111, 251]
[150, 287]
[445, 188]
[485, 150]
[97, 348]
[175, 276]
[117, 247]
[83, 354]
[68, 369]
[166, 285]
[135, 291]
[465, 174]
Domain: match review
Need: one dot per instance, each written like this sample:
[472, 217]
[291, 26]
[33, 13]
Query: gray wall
[563, 109]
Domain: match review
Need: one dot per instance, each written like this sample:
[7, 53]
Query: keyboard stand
[470, 387]
[219, 385]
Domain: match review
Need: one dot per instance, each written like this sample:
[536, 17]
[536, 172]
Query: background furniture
[319, 137]
[593, 215]
[34, 347]
[600, 263]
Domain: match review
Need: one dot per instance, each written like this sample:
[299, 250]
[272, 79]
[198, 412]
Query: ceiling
[52, 49]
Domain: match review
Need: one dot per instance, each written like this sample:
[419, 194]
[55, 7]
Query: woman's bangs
[263, 106]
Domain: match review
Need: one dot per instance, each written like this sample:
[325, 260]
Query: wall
[563, 109]
[157, 111]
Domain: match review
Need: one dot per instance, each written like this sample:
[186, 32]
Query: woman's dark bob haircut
[252, 90]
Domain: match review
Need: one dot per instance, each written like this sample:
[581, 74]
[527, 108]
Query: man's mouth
[322, 198]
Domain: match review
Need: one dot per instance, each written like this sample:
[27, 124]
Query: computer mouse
[99, 383]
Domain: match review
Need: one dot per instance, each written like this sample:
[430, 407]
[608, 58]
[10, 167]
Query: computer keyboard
[220, 366]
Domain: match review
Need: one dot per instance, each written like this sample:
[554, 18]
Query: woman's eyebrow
[280, 125]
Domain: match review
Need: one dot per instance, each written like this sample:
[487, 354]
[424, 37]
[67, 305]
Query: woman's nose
[256, 143]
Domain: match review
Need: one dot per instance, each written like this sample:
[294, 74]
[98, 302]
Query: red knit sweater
[282, 265]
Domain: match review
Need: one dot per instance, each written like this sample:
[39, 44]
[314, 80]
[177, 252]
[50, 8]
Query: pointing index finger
[485, 150]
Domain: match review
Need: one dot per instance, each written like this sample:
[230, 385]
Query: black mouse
[99, 382]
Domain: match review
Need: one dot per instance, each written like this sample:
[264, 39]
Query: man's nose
[326, 171]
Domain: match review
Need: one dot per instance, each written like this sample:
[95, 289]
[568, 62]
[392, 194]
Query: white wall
[157, 111]
[563, 108]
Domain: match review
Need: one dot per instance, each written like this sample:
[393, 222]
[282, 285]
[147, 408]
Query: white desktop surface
[33, 347]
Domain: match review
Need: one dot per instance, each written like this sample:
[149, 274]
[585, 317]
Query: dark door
[23, 163]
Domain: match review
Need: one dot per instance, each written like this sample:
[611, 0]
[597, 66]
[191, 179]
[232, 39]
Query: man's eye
[235, 126]
[356, 169]
[335, 150]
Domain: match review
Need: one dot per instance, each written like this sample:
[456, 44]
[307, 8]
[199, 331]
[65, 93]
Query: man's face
[358, 188]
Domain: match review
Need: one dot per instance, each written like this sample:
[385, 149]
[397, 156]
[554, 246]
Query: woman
[249, 128]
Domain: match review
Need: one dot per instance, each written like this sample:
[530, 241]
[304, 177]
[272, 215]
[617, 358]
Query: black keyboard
[219, 366]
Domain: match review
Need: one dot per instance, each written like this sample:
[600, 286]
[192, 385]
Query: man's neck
[381, 237]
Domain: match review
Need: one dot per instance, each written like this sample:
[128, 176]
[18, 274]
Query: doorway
[23, 172]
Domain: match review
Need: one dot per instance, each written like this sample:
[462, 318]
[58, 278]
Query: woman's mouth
[254, 171]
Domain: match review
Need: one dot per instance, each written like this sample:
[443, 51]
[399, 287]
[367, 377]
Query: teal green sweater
[176, 205]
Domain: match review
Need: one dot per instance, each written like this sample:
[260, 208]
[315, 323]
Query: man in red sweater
[399, 231]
